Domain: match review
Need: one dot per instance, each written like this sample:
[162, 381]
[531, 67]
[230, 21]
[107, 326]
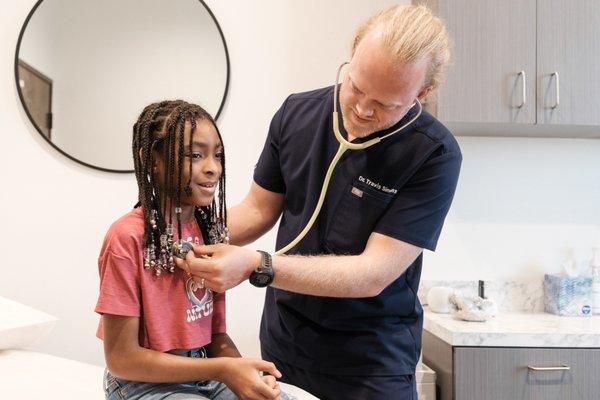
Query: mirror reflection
[86, 68]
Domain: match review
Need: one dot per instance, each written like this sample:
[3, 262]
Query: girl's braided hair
[159, 130]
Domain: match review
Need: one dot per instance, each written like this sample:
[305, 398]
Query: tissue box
[568, 296]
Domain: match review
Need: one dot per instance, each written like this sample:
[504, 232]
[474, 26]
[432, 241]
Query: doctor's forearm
[254, 216]
[330, 276]
[245, 224]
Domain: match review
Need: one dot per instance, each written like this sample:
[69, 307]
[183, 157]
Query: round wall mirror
[85, 69]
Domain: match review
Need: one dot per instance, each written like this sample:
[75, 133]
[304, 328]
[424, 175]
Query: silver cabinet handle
[561, 368]
[557, 87]
[523, 89]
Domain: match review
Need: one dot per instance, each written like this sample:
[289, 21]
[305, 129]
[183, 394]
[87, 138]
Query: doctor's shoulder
[437, 133]
[299, 109]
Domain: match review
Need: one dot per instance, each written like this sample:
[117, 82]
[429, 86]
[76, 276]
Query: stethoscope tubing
[344, 146]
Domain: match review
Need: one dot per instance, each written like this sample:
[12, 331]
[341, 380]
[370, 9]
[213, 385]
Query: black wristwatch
[263, 275]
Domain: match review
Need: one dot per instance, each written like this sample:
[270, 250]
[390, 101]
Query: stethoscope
[180, 250]
[344, 146]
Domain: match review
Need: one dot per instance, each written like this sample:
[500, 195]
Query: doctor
[341, 317]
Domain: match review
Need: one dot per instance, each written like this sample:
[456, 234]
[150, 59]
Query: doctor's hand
[220, 267]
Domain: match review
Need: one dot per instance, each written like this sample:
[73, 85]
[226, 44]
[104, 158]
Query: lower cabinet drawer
[484, 373]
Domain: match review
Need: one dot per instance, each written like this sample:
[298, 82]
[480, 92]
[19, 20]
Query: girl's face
[205, 154]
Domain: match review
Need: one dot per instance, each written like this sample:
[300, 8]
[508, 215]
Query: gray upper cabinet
[523, 65]
[492, 78]
[568, 39]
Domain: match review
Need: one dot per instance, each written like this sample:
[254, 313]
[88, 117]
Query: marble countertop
[516, 329]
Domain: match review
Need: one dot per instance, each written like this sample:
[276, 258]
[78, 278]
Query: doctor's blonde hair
[412, 33]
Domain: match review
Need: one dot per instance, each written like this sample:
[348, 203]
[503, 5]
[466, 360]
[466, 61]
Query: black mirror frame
[121, 171]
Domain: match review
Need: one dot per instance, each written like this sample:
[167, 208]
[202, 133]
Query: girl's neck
[187, 214]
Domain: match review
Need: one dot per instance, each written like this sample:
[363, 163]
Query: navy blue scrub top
[401, 188]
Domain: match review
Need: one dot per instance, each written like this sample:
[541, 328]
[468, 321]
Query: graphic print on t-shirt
[201, 307]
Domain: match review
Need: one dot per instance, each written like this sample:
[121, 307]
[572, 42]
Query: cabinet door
[505, 374]
[493, 41]
[569, 43]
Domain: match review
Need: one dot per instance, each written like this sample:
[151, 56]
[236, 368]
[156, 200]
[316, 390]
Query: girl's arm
[126, 359]
[222, 346]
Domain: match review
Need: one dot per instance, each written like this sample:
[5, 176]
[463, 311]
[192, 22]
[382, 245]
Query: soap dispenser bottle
[595, 271]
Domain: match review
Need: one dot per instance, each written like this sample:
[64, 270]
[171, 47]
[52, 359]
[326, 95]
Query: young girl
[164, 334]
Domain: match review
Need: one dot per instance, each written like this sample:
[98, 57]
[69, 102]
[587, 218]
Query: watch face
[260, 279]
[263, 279]
[263, 275]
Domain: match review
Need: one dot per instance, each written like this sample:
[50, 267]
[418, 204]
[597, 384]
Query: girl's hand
[272, 382]
[242, 376]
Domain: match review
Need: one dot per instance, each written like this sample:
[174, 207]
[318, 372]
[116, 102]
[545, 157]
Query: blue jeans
[121, 389]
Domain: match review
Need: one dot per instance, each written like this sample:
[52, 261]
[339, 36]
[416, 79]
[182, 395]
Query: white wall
[520, 201]
[520, 207]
